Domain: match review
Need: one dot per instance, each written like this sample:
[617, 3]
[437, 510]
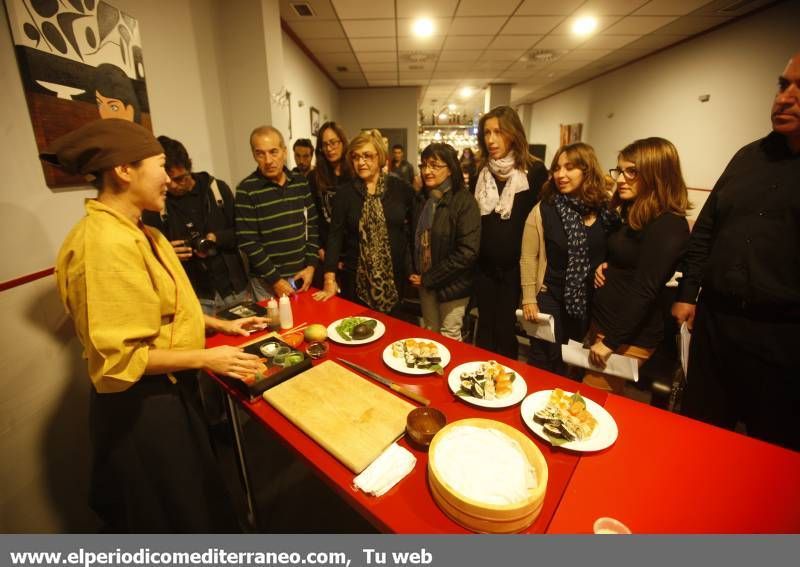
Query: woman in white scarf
[507, 188]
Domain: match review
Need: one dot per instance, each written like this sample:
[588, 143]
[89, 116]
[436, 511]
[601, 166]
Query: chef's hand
[599, 353]
[530, 311]
[230, 361]
[329, 288]
[245, 325]
[415, 279]
[184, 252]
[282, 287]
[600, 275]
[684, 313]
[305, 275]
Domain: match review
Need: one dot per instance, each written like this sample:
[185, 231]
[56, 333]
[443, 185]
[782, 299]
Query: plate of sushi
[487, 384]
[569, 420]
[416, 356]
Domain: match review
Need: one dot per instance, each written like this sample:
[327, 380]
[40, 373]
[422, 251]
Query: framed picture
[314, 121]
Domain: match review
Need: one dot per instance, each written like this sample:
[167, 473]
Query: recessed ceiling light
[466, 92]
[584, 25]
[422, 27]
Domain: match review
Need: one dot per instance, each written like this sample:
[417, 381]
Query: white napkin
[617, 365]
[543, 328]
[387, 470]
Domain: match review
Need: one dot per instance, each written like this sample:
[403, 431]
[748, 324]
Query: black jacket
[343, 241]
[455, 241]
[223, 273]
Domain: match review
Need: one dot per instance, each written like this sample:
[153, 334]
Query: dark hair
[398, 147]
[595, 190]
[112, 82]
[449, 156]
[303, 143]
[176, 154]
[324, 174]
[661, 185]
[511, 126]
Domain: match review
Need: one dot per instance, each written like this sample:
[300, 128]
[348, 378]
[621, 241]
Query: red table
[670, 474]
[665, 473]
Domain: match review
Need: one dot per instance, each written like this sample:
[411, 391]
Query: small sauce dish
[423, 423]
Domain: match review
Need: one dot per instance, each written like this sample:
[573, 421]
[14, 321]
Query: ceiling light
[423, 27]
[584, 25]
[451, 107]
[466, 92]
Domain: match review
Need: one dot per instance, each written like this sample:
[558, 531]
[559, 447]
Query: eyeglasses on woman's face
[433, 166]
[365, 156]
[630, 173]
[330, 144]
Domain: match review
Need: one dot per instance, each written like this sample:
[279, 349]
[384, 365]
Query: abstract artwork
[570, 133]
[80, 60]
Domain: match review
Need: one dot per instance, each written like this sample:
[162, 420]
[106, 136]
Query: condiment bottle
[285, 307]
[273, 314]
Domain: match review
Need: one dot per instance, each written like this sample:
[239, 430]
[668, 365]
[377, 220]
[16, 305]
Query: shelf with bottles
[459, 137]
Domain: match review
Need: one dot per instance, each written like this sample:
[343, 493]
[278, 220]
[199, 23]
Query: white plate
[399, 364]
[603, 436]
[334, 335]
[518, 388]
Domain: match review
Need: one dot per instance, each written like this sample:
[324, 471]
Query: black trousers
[545, 355]
[154, 470]
[497, 296]
[743, 367]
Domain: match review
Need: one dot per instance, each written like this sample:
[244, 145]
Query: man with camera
[198, 221]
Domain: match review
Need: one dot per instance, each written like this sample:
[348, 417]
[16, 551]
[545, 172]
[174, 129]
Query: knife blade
[386, 382]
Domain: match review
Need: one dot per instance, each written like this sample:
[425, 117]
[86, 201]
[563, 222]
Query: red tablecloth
[664, 474]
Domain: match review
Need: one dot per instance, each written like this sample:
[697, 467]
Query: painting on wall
[314, 121]
[79, 60]
[570, 133]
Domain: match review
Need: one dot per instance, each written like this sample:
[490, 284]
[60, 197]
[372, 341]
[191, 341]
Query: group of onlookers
[593, 251]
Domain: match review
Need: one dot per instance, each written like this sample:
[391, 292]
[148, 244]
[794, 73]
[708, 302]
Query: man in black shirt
[745, 254]
[303, 155]
[400, 167]
[199, 205]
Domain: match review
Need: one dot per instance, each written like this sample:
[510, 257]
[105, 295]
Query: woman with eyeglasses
[447, 236]
[643, 253]
[331, 171]
[563, 243]
[369, 230]
[507, 188]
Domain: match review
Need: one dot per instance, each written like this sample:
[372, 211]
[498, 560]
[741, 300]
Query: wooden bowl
[422, 424]
[480, 516]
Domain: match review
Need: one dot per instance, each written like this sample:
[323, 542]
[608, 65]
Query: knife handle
[411, 394]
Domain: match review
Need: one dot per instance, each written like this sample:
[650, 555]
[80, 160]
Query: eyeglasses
[330, 144]
[366, 156]
[630, 173]
[433, 166]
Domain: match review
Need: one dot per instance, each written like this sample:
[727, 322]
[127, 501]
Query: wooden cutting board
[350, 416]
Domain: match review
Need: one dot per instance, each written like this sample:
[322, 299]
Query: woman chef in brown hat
[142, 330]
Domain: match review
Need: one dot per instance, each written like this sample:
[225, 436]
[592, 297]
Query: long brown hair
[511, 126]
[324, 174]
[595, 190]
[661, 186]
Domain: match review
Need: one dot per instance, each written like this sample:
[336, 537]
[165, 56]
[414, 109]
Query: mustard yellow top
[126, 292]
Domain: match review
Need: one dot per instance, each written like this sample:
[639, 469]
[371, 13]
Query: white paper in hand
[543, 328]
[387, 470]
[617, 364]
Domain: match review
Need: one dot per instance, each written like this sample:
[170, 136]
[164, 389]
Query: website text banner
[392, 551]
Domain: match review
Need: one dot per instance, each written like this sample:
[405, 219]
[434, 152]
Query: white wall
[381, 108]
[737, 65]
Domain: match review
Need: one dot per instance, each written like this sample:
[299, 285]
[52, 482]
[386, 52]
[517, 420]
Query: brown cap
[102, 144]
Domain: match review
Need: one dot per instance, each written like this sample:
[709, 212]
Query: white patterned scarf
[486, 193]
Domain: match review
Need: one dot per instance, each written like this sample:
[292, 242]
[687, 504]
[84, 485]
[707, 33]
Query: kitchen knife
[386, 382]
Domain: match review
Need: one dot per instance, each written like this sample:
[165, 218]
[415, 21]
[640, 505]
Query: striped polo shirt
[276, 225]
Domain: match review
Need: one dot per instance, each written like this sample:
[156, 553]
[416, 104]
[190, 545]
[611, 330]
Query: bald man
[743, 273]
[276, 220]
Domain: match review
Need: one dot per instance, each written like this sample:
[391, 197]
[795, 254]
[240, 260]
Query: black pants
[743, 367]
[154, 470]
[497, 295]
[545, 355]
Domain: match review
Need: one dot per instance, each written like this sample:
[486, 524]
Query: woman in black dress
[506, 189]
[642, 255]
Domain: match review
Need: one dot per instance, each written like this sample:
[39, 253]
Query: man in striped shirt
[276, 220]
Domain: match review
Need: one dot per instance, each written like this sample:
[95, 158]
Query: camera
[202, 246]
